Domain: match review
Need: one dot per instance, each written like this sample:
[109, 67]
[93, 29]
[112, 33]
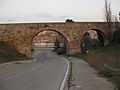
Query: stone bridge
[20, 35]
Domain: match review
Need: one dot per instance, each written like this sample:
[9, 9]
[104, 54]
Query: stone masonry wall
[20, 35]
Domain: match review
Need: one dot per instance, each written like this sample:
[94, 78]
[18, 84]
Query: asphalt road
[46, 73]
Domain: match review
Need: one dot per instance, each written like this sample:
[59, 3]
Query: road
[46, 73]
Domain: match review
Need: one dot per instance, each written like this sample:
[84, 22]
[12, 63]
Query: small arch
[101, 36]
[91, 39]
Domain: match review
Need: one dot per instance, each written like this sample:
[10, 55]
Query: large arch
[28, 43]
[66, 38]
[58, 31]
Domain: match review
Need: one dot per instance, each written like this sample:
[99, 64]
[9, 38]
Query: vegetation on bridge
[8, 54]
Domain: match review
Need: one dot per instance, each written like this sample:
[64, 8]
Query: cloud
[38, 17]
[44, 15]
[64, 17]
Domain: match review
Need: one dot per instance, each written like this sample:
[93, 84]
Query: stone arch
[102, 35]
[64, 36]
[91, 39]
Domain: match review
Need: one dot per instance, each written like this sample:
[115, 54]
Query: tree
[117, 30]
[86, 43]
[57, 44]
[116, 23]
[69, 20]
[108, 17]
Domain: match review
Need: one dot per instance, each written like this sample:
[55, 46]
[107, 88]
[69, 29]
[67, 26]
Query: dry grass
[8, 54]
[109, 55]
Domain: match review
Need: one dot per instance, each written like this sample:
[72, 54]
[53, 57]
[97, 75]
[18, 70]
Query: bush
[69, 20]
[117, 36]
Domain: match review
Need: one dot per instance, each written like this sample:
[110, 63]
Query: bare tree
[116, 24]
[117, 29]
[108, 17]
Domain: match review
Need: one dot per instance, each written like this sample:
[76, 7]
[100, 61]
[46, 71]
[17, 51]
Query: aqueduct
[20, 35]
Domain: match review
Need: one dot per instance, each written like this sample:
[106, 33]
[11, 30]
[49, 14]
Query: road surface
[46, 73]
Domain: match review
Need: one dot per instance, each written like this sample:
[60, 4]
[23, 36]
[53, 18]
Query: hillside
[8, 54]
[108, 55]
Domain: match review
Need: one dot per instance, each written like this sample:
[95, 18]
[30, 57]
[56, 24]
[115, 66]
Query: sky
[54, 10]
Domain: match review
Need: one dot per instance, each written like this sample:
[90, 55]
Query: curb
[17, 62]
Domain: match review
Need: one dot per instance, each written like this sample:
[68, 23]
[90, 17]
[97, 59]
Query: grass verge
[109, 55]
[8, 54]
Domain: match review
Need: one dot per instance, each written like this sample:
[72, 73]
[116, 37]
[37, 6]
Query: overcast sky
[54, 10]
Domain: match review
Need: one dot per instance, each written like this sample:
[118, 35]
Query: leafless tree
[108, 17]
[117, 29]
[116, 24]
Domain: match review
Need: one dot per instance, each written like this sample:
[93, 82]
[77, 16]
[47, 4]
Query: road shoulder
[83, 77]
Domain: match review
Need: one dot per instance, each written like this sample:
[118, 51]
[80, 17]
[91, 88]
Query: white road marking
[66, 76]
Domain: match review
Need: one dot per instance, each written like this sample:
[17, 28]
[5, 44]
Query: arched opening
[92, 39]
[101, 37]
[50, 40]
